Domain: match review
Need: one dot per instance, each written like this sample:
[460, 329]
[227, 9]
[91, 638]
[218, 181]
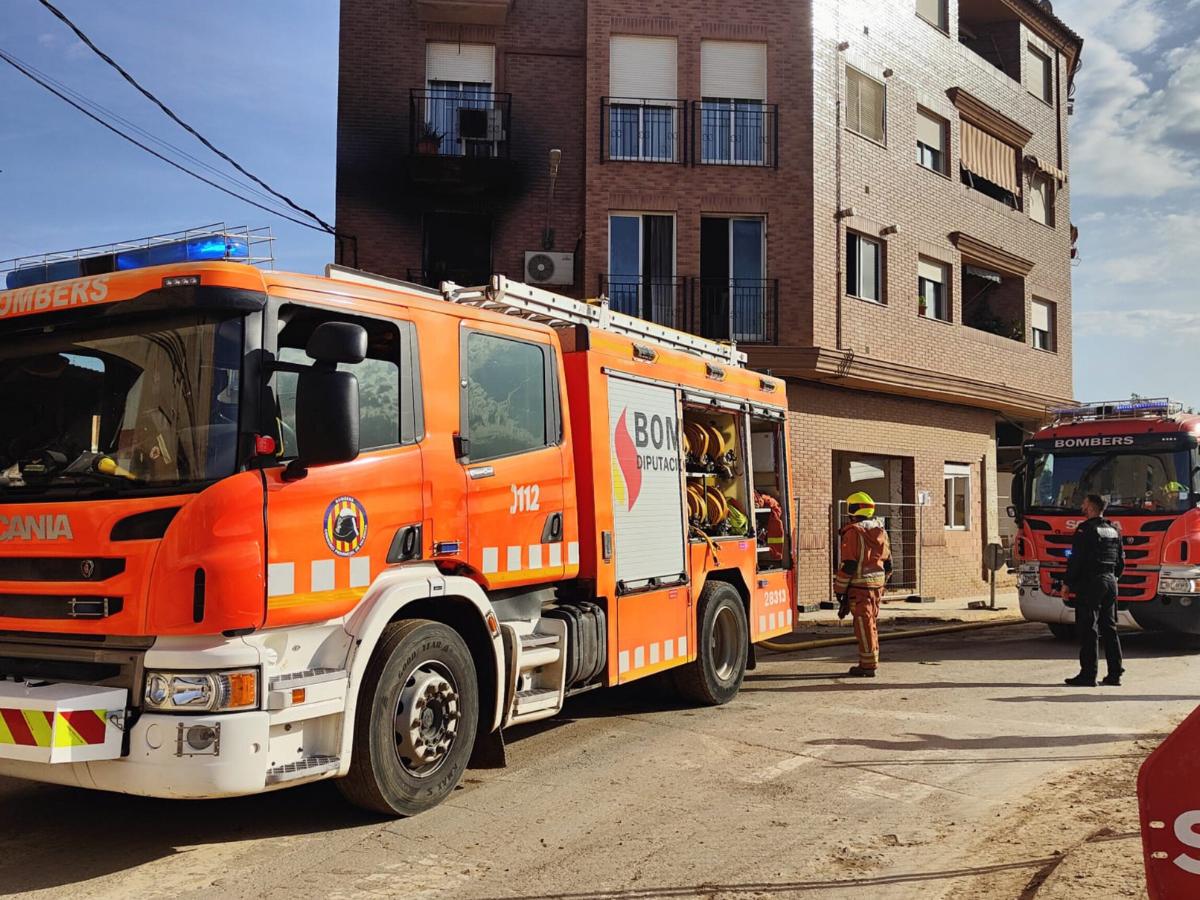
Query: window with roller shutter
[1039, 78]
[933, 12]
[866, 101]
[931, 141]
[1041, 199]
[643, 112]
[735, 122]
[1043, 315]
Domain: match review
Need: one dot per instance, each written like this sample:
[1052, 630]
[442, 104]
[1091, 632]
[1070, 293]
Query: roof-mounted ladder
[538, 305]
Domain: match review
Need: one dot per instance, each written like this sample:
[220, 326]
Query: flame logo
[627, 477]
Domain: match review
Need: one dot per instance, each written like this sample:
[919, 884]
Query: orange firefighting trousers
[864, 610]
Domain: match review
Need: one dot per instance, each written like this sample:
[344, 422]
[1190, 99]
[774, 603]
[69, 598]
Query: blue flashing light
[31, 275]
[1142, 406]
[200, 249]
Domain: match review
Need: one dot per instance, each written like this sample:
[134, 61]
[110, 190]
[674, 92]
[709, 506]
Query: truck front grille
[58, 606]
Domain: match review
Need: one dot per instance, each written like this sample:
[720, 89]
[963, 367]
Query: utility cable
[12, 62]
[178, 121]
[133, 126]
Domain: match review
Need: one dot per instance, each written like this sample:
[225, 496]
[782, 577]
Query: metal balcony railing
[459, 122]
[745, 310]
[660, 300]
[736, 133]
[641, 129]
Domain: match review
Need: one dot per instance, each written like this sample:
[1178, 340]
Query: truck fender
[390, 593]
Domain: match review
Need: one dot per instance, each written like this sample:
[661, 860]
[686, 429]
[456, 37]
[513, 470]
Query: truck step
[305, 768]
[538, 639]
[305, 678]
[536, 701]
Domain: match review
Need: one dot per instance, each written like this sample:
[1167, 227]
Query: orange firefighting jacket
[866, 556]
[774, 523]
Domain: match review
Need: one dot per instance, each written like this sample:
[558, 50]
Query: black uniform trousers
[1096, 605]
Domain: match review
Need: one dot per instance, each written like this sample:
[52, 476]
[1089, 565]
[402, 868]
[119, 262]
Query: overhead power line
[104, 111]
[117, 131]
[177, 120]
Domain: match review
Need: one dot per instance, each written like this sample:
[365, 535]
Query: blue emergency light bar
[1110, 409]
[213, 242]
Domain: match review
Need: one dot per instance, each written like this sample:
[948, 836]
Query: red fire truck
[1141, 456]
[261, 529]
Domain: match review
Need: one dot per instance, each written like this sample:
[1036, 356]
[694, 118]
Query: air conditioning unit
[548, 267]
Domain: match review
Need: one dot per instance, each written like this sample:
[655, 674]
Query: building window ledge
[868, 139]
[928, 318]
[936, 172]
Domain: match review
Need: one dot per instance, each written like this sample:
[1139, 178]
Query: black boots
[860, 672]
[1080, 680]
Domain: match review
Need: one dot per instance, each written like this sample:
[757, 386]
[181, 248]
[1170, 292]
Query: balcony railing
[459, 122]
[662, 300]
[641, 129]
[745, 310]
[736, 133]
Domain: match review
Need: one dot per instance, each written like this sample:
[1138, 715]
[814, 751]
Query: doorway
[888, 480]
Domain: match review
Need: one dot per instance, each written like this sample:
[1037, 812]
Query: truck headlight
[1028, 580]
[1178, 585]
[201, 691]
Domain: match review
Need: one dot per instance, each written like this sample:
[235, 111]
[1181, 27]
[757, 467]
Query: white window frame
[879, 266]
[882, 139]
[641, 105]
[943, 16]
[640, 215]
[1035, 56]
[943, 284]
[1047, 335]
[953, 474]
[943, 150]
[1047, 195]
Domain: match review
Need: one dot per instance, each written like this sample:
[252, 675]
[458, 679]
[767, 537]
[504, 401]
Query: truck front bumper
[1040, 607]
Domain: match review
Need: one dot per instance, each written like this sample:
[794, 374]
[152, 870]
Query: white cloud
[1165, 326]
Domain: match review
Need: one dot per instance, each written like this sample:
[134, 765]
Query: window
[733, 289]
[933, 302]
[1043, 325]
[459, 78]
[643, 114]
[989, 165]
[734, 126]
[506, 396]
[865, 102]
[379, 403]
[958, 496]
[1040, 76]
[863, 257]
[1041, 199]
[931, 141]
[641, 266]
[933, 12]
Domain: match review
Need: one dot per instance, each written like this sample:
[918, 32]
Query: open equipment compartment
[718, 494]
[769, 477]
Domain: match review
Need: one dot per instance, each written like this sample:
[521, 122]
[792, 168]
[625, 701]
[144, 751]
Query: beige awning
[990, 158]
[1047, 168]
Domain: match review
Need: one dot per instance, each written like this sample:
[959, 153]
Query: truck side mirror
[1012, 512]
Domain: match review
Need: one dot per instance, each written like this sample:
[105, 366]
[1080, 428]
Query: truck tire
[722, 639]
[418, 710]
[1062, 631]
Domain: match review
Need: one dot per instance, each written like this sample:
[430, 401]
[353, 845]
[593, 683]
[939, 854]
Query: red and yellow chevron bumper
[56, 723]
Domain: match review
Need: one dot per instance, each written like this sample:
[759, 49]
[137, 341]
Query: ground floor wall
[912, 453]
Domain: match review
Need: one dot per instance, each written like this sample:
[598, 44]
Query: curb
[784, 647]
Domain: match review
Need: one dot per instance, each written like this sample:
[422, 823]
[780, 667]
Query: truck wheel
[418, 709]
[1062, 631]
[721, 645]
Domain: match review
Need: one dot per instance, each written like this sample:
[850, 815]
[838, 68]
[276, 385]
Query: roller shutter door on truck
[648, 524]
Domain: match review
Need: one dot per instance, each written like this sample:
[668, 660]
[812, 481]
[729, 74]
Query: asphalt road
[806, 785]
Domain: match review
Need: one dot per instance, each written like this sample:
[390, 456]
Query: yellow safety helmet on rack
[860, 505]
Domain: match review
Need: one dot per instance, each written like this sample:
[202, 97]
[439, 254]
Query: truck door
[332, 532]
[511, 445]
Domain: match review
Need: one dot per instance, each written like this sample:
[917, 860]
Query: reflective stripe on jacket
[866, 556]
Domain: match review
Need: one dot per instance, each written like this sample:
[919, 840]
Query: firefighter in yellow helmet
[866, 567]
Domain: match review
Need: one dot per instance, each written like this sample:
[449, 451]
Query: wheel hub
[725, 645]
[427, 718]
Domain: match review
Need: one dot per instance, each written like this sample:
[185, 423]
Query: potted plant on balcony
[922, 306]
[429, 140]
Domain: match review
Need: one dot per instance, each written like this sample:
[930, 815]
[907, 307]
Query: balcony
[745, 310]
[642, 129]
[662, 300]
[736, 133]
[459, 140]
[991, 30]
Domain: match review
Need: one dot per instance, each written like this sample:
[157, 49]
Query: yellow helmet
[860, 505]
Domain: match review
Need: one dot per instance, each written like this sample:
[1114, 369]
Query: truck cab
[1142, 457]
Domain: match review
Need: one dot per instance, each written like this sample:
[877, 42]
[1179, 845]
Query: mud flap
[751, 662]
[489, 751]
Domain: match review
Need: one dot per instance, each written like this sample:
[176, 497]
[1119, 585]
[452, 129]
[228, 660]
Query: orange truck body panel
[265, 543]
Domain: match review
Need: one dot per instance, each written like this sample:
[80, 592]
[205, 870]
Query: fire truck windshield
[1133, 482]
[135, 404]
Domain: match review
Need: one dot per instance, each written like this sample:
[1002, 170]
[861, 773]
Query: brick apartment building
[870, 196]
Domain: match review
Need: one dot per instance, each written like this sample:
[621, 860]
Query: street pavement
[808, 785]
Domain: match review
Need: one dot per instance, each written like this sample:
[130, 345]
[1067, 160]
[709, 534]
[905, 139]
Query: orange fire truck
[260, 529]
[1141, 456]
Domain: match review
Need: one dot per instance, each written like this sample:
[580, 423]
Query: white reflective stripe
[683, 645]
[322, 575]
[573, 553]
[654, 653]
[555, 555]
[281, 579]
[762, 623]
[771, 622]
[623, 662]
[514, 559]
[789, 615]
[360, 571]
[639, 657]
[491, 560]
[668, 650]
[535, 556]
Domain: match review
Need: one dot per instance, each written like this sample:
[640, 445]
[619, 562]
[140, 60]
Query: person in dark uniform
[1097, 561]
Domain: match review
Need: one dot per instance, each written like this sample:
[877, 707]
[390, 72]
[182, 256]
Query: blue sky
[260, 79]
